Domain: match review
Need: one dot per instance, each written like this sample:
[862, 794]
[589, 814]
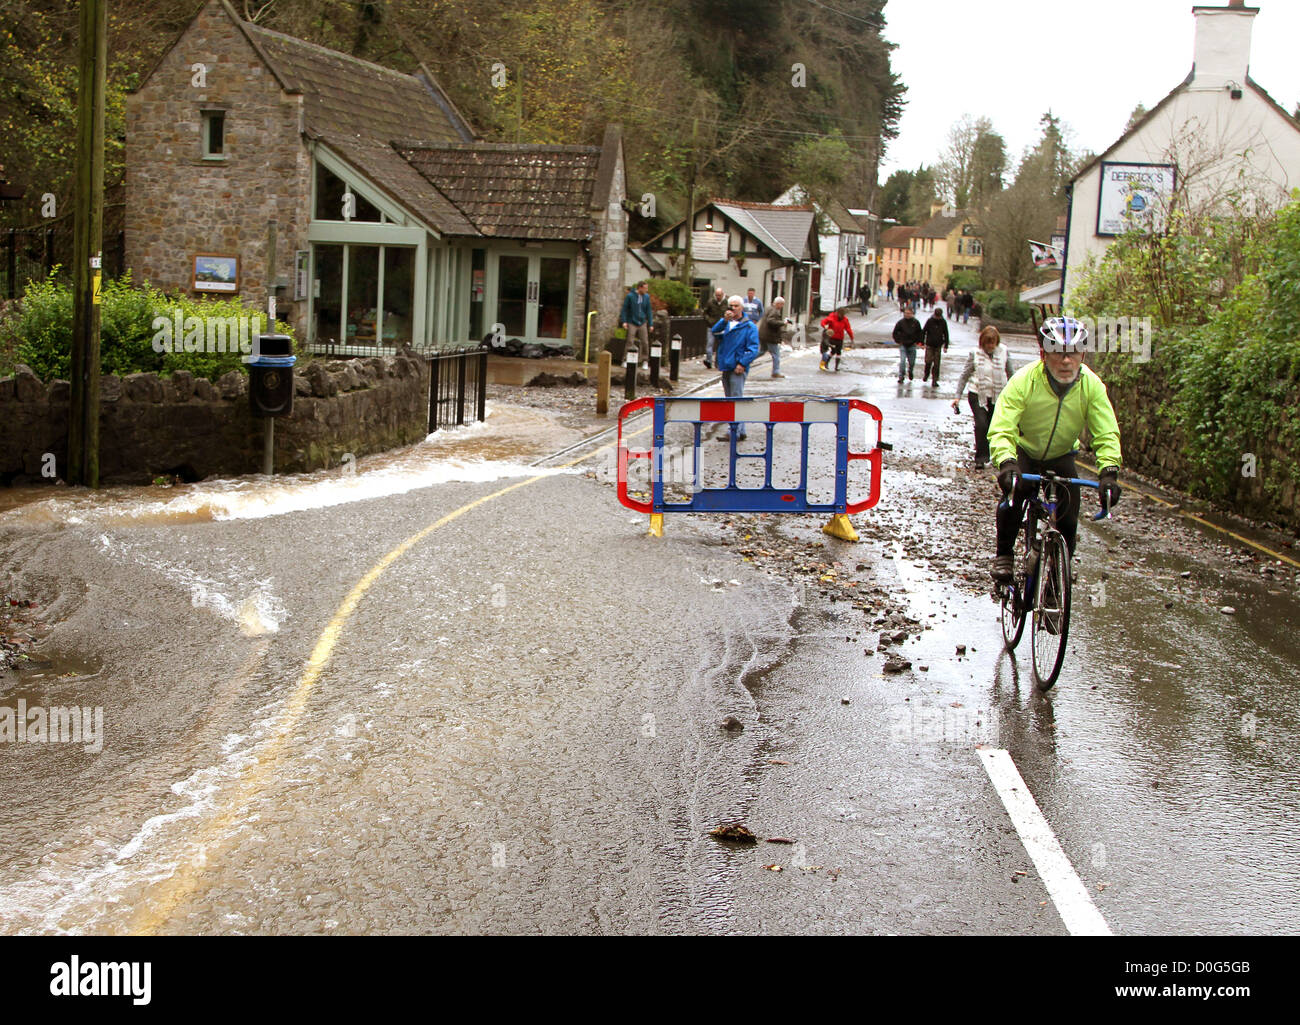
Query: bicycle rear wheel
[1051, 616]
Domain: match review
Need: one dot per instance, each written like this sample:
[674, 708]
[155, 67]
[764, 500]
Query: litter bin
[270, 376]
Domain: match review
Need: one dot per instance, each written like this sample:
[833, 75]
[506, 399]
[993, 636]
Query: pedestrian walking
[964, 301]
[864, 299]
[770, 329]
[889, 289]
[834, 327]
[714, 310]
[753, 308]
[987, 371]
[636, 317]
[908, 334]
[737, 349]
[936, 344]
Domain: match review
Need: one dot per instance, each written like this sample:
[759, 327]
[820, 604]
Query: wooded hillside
[744, 93]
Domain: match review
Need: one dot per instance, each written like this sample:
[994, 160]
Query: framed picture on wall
[216, 273]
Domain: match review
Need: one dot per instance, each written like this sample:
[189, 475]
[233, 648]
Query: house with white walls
[1218, 138]
[842, 241]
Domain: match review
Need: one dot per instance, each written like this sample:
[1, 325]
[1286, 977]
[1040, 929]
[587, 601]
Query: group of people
[960, 304]
[912, 293]
[769, 323]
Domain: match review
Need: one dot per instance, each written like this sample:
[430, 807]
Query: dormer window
[214, 134]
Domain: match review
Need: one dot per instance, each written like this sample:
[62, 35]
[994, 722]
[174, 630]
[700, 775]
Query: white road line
[1071, 897]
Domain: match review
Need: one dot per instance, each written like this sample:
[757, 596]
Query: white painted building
[1216, 133]
[841, 239]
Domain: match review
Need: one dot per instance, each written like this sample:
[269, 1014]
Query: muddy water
[510, 435]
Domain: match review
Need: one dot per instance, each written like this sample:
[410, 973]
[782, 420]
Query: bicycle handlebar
[1036, 478]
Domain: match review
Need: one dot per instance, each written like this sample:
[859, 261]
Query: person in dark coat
[908, 334]
[714, 309]
[936, 343]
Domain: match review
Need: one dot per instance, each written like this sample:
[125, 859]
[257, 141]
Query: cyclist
[1036, 428]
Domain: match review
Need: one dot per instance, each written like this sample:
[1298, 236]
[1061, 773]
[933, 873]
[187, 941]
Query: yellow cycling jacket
[1029, 415]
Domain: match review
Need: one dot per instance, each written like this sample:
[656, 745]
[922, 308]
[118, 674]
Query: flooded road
[445, 691]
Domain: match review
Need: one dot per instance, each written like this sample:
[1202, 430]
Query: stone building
[361, 195]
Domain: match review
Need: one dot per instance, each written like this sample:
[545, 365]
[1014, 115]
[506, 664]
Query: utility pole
[87, 249]
[690, 207]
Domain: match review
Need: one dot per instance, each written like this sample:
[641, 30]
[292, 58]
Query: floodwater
[356, 701]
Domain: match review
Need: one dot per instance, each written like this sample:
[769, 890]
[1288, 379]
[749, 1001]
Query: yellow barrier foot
[657, 525]
[840, 527]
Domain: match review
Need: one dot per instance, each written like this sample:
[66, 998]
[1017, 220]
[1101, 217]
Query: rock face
[151, 426]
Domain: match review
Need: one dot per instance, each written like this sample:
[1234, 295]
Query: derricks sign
[1134, 196]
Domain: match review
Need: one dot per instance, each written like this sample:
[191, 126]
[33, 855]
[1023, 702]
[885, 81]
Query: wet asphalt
[518, 726]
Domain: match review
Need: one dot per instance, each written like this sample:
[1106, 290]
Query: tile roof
[513, 191]
[897, 237]
[783, 229]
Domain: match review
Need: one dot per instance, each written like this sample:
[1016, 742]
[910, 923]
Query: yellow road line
[1213, 526]
[185, 882]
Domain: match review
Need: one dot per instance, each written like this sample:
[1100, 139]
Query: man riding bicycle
[1036, 427]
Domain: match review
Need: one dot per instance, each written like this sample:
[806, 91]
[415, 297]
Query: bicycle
[1043, 596]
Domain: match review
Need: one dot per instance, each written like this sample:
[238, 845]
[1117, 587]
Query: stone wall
[194, 428]
[1155, 447]
[608, 254]
[178, 204]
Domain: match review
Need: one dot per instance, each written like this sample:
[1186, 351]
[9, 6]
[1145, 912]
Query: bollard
[674, 357]
[656, 352]
[602, 383]
[629, 375]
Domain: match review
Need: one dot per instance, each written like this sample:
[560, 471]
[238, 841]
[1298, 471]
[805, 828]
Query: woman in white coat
[987, 370]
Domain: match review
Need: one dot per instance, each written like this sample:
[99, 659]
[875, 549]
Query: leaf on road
[734, 833]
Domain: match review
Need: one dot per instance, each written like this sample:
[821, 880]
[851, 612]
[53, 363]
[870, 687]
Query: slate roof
[842, 218]
[513, 191]
[357, 108]
[783, 229]
[939, 226]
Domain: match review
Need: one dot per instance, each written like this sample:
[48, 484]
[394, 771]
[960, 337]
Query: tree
[921, 195]
[1139, 112]
[822, 166]
[989, 167]
[1029, 208]
[895, 197]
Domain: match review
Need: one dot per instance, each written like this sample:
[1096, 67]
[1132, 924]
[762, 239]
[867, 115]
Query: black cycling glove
[1108, 489]
[1007, 475]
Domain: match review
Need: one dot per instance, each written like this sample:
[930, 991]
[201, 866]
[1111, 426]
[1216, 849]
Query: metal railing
[457, 387]
[31, 253]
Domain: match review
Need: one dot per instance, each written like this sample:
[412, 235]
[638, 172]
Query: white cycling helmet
[1063, 334]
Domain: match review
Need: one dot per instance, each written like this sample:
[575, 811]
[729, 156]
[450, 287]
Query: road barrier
[809, 474]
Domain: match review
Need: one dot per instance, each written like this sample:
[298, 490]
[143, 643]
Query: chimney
[1222, 53]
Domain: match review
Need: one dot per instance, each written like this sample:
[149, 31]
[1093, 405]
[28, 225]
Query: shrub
[966, 279]
[39, 331]
[679, 299]
[997, 306]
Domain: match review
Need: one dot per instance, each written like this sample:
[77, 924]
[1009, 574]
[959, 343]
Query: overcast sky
[1090, 63]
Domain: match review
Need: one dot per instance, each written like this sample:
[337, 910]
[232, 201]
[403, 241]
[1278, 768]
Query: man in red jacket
[836, 327]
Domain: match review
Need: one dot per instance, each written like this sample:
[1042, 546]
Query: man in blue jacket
[737, 349]
[636, 317]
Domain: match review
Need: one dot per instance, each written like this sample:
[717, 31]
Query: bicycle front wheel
[1051, 612]
[1013, 613]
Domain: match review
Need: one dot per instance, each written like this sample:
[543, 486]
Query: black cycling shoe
[1003, 569]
